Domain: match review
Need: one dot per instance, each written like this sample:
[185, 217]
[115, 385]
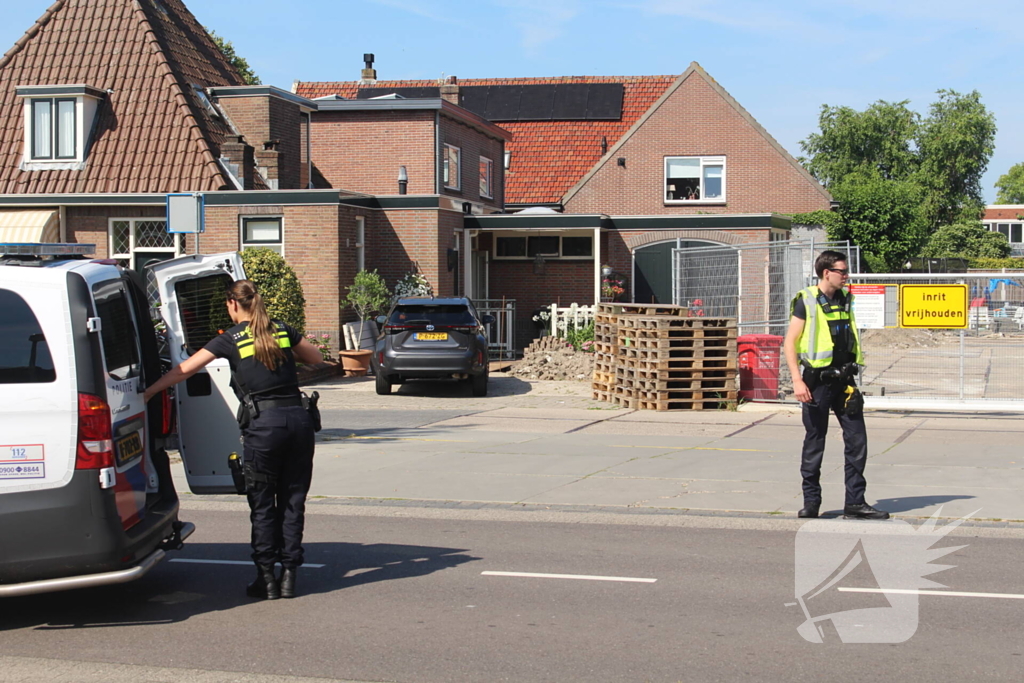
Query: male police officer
[823, 352]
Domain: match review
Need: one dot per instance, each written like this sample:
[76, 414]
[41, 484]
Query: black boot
[288, 582]
[265, 585]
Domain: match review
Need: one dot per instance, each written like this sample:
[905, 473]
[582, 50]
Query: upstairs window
[452, 166]
[53, 128]
[695, 179]
[1012, 231]
[486, 177]
[58, 119]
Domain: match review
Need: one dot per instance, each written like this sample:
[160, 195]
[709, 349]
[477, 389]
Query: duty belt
[264, 404]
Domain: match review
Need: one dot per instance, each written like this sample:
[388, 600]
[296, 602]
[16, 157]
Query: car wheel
[383, 385]
[480, 384]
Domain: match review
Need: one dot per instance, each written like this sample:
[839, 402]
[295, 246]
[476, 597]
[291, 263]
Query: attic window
[695, 179]
[58, 122]
[205, 100]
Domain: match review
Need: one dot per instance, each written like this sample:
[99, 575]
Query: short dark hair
[826, 260]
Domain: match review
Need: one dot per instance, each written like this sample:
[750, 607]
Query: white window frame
[704, 162]
[486, 177]
[535, 233]
[993, 226]
[85, 101]
[446, 167]
[175, 250]
[277, 246]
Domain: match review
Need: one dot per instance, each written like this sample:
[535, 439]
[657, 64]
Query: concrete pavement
[547, 444]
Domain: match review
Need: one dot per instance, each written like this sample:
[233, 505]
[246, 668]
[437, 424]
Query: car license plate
[431, 336]
[128, 448]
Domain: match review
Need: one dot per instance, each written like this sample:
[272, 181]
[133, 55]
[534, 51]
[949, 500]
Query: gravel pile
[550, 358]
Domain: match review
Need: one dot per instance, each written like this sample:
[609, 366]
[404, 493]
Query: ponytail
[262, 329]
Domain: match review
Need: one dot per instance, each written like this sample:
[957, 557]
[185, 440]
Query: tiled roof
[548, 157]
[152, 133]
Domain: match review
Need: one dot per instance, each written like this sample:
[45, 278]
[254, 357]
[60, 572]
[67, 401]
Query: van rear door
[192, 305]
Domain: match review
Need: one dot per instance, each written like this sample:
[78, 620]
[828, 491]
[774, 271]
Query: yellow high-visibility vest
[247, 345]
[814, 347]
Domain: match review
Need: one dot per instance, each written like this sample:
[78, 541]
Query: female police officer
[278, 439]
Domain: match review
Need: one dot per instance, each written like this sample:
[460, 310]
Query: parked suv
[436, 338]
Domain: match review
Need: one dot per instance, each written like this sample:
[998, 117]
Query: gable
[696, 117]
[152, 132]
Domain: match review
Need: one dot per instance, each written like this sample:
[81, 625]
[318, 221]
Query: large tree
[897, 176]
[228, 50]
[966, 240]
[1011, 186]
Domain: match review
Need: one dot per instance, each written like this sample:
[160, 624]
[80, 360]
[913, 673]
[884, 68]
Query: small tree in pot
[367, 295]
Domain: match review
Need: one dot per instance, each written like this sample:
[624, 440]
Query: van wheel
[480, 384]
[383, 385]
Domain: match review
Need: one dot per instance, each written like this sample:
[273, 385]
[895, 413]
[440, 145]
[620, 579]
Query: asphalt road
[404, 598]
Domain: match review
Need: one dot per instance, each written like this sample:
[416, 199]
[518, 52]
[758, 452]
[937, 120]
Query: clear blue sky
[780, 60]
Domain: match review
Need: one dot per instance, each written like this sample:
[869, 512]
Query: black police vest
[250, 376]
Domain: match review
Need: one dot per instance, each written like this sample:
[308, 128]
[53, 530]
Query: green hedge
[996, 263]
[277, 284]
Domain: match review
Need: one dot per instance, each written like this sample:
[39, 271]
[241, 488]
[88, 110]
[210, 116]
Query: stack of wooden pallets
[606, 349]
[664, 360]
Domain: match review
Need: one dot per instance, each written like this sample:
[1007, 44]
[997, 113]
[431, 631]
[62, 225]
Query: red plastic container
[759, 366]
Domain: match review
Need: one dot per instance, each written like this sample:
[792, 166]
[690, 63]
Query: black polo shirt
[248, 375]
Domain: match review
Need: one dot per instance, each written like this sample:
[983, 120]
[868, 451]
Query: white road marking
[237, 562]
[580, 577]
[955, 594]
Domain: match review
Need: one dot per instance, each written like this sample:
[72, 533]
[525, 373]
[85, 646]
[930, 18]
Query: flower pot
[355, 363]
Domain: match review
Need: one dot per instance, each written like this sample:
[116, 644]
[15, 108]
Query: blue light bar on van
[46, 249]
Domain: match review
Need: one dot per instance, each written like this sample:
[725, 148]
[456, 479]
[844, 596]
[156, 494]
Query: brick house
[612, 171]
[1007, 219]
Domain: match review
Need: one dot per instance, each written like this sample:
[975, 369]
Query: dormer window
[58, 121]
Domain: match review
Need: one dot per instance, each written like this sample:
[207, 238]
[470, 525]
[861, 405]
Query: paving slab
[516, 425]
[662, 428]
[701, 465]
[484, 463]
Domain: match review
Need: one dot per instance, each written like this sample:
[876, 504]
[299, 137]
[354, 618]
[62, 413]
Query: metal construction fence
[501, 334]
[981, 364]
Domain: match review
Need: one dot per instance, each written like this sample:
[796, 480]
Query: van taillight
[95, 440]
[166, 413]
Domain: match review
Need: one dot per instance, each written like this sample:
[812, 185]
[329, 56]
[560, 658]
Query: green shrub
[277, 284]
[367, 295]
[996, 263]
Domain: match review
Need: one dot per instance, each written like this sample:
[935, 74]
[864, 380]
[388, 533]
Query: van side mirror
[381, 319]
[487, 319]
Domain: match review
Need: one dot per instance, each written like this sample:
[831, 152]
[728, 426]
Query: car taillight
[479, 357]
[95, 440]
[468, 329]
[396, 328]
[380, 358]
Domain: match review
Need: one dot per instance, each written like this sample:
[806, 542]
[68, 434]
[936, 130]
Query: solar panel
[474, 98]
[537, 102]
[410, 93]
[604, 101]
[503, 102]
[570, 101]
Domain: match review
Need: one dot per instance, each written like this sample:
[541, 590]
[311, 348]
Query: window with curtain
[695, 179]
[452, 164]
[263, 232]
[54, 128]
[486, 174]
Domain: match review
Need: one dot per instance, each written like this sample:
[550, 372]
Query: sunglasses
[841, 271]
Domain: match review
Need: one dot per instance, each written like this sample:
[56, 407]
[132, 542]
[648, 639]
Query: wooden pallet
[630, 347]
[679, 404]
[630, 336]
[666, 322]
[676, 363]
[643, 309]
[681, 367]
[601, 395]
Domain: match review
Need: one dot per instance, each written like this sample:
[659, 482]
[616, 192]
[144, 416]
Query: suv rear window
[203, 312]
[442, 314]
[117, 330]
[24, 354]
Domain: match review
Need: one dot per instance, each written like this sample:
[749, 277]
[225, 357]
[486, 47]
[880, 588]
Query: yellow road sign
[933, 306]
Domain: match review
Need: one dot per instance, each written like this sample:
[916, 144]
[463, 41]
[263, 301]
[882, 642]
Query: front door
[192, 305]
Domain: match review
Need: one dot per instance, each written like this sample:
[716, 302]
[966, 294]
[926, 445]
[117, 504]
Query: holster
[247, 411]
[309, 403]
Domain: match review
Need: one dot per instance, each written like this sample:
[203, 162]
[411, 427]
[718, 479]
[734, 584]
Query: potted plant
[366, 295]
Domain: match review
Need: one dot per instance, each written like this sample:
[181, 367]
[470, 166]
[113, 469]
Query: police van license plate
[431, 336]
[128, 448]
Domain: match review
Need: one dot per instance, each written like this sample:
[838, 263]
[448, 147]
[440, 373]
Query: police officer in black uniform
[277, 430]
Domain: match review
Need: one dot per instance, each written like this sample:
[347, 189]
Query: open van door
[192, 305]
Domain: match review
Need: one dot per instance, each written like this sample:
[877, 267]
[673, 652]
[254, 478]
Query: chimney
[369, 74]
[240, 155]
[450, 90]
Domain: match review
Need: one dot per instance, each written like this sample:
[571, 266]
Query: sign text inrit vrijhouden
[933, 306]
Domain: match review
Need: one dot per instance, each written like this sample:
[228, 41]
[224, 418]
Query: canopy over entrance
[29, 225]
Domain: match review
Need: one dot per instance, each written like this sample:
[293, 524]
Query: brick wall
[697, 121]
[473, 145]
[361, 151]
[274, 128]
[562, 283]
[90, 224]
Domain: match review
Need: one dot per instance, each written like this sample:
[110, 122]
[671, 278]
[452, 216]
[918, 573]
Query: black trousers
[824, 398]
[279, 443]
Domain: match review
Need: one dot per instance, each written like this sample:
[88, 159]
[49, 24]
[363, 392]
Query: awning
[29, 225]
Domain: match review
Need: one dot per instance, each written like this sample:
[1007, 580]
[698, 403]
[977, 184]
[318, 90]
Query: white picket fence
[573, 316]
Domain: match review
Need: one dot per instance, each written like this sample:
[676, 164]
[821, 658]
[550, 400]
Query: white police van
[86, 495]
